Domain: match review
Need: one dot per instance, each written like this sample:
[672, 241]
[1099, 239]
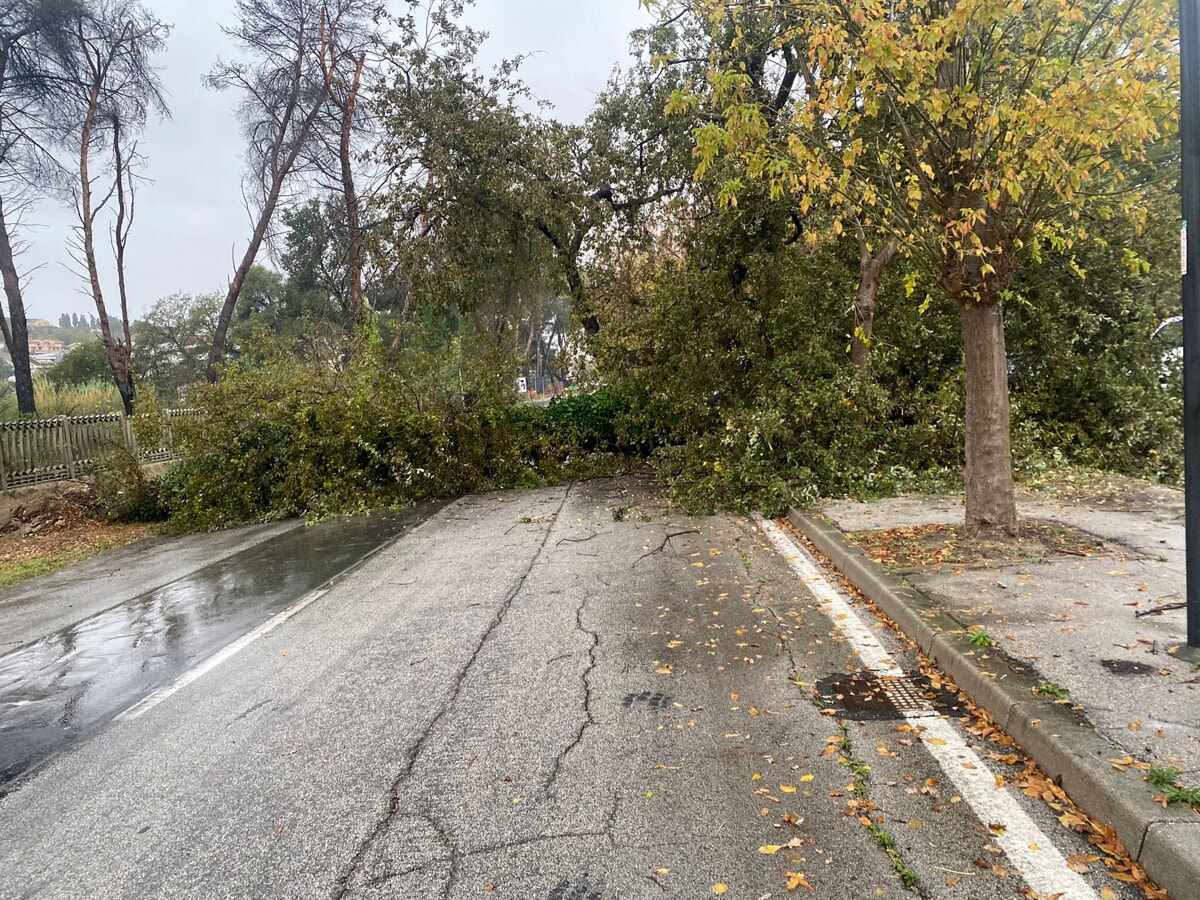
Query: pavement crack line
[451, 851]
[393, 807]
[589, 717]
[1045, 869]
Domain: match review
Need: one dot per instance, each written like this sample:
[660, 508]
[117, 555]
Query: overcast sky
[191, 225]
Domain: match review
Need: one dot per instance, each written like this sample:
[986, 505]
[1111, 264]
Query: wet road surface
[572, 693]
[61, 688]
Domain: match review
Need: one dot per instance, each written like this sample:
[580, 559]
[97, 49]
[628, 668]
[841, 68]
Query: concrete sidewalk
[1098, 625]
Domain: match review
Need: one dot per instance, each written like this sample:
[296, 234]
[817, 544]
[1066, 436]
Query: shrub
[282, 436]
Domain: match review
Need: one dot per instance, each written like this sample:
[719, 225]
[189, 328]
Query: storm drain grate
[884, 697]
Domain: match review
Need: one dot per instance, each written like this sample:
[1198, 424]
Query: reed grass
[93, 398]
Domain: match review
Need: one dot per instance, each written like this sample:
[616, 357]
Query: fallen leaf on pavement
[795, 880]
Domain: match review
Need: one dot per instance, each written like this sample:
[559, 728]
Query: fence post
[3, 469]
[127, 434]
[68, 444]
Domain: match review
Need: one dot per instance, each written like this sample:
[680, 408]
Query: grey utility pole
[1189, 128]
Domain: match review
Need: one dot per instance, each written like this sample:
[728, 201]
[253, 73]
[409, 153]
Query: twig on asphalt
[1159, 609]
[575, 540]
[663, 544]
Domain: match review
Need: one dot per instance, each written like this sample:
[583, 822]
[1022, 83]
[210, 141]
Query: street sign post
[1189, 127]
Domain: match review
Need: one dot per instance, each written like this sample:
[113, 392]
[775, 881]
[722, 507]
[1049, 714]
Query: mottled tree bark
[870, 274]
[988, 477]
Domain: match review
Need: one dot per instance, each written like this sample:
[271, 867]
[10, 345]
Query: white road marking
[1029, 849]
[150, 701]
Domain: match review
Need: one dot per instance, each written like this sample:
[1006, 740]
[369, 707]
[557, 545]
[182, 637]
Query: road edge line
[1063, 743]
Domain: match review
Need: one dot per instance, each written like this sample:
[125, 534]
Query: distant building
[37, 323]
[45, 346]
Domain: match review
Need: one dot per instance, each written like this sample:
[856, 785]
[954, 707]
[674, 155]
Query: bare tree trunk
[988, 477]
[125, 200]
[16, 338]
[239, 278]
[354, 252]
[870, 273]
[118, 360]
[285, 117]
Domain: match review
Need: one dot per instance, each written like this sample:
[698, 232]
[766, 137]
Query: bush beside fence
[66, 447]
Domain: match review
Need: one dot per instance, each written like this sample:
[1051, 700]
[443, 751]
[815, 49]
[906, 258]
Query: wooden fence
[66, 447]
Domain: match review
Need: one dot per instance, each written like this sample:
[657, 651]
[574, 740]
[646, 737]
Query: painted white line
[150, 701]
[1029, 849]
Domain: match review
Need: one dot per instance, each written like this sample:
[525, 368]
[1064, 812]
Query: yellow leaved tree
[971, 131]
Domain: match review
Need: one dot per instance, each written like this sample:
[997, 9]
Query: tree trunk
[16, 338]
[870, 273]
[988, 478]
[118, 355]
[235, 287]
[354, 252]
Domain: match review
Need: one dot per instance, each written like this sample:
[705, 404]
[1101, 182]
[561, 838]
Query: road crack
[393, 807]
[589, 717]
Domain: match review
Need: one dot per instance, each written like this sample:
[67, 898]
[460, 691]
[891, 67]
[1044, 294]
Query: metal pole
[1189, 128]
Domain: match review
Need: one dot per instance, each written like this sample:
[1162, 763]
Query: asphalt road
[564, 694]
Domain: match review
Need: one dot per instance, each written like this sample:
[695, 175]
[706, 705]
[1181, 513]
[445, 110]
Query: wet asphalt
[573, 693]
[59, 689]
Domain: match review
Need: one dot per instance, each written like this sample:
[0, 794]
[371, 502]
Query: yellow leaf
[788, 788]
[720, 887]
[770, 849]
[935, 740]
[795, 880]
[807, 778]
[1107, 893]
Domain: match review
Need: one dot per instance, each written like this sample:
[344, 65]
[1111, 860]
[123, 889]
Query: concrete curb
[1066, 746]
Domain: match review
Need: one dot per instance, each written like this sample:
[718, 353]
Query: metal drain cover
[869, 697]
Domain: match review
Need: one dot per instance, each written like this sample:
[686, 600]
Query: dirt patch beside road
[47, 527]
[955, 545]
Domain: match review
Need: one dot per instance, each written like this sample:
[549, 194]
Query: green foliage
[125, 491]
[1050, 689]
[978, 637]
[739, 354]
[171, 342]
[1166, 779]
[735, 351]
[81, 365]
[1088, 383]
[283, 434]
